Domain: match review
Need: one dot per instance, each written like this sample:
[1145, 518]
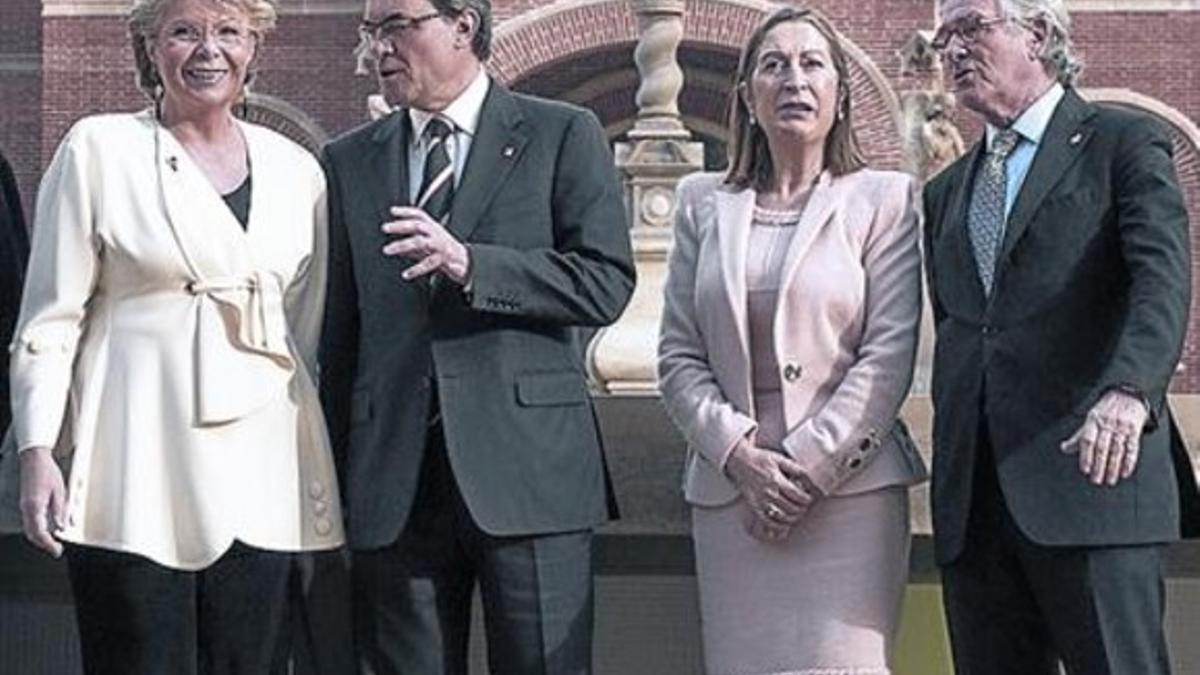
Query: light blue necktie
[985, 219]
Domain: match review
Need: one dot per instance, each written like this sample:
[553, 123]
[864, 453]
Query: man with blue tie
[1058, 260]
[473, 232]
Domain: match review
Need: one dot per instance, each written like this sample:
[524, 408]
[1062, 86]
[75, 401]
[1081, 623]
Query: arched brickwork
[582, 50]
[287, 119]
[1185, 136]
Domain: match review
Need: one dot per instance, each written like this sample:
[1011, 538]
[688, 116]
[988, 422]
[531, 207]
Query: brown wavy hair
[750, 164]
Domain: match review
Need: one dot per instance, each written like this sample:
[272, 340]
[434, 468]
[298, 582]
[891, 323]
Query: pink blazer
[845, 332]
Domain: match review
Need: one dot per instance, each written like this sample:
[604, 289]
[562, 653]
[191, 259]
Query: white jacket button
[322, 526]
[316, 489]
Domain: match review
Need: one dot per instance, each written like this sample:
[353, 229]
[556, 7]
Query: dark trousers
[1016, 607]
[412, 599]
[137, 617]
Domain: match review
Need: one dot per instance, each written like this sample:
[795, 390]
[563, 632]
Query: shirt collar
[463, 112]
[1032, 124]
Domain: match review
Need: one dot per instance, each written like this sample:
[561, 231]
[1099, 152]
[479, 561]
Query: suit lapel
[495, 150]
[387, 157]
[208, 235]
[812, 221]
[735, 210]
[958, 207]
[1061, 145]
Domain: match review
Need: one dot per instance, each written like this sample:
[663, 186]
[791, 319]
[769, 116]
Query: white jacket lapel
[242, 356]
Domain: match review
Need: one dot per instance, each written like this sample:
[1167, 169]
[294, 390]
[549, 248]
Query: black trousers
[137, 617]
[412, 599]
[1018, 608]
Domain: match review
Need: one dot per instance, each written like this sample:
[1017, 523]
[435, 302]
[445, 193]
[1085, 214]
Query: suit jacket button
[320, 508]
[316, 489]
[856, 462]
[791, 372]
[322, 526]
[864, 445]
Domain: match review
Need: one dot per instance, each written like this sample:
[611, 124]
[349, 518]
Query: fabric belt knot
[986, 217]
[243, 359]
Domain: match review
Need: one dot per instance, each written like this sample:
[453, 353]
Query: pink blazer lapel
[735, 210]
[812, 223]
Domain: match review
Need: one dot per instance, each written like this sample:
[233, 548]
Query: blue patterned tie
[985, 219]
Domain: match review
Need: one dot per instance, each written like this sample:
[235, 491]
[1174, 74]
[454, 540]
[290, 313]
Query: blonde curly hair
[144, 16]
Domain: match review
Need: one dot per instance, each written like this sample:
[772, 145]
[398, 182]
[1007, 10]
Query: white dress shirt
[1030, 127]
[463, 117]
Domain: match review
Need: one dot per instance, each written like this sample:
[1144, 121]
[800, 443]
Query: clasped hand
[773, 487]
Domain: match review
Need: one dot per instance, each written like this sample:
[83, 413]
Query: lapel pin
[508, 151]
[1076, 138]
[173, 162]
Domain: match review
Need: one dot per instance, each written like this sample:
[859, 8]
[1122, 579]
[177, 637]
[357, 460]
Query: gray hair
[1059, 56]
[144, 16]
[481, 43]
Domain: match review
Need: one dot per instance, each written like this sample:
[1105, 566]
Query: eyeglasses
[392, 28]
[968, 29]
[229, 35]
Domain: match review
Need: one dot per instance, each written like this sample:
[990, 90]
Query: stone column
[658, 153]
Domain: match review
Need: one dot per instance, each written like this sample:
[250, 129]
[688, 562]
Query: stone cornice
[67, 8]
[1078, 6]
[339, 7]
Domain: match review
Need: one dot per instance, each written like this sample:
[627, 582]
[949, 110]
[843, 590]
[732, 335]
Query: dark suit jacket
[541, 208]
[1092, 290]
[14, 254]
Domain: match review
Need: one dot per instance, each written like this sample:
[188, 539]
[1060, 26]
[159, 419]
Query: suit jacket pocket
[554, 388]
[360, 407]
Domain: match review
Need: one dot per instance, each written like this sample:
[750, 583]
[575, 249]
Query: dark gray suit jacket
[541, 208]
[14, 254]
[1092, 290]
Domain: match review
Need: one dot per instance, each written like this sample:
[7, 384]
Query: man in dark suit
[14, 253]
[473, 231]
[1059, 274]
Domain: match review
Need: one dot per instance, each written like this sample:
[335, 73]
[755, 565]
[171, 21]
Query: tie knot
[437, 128]
[1003, 143]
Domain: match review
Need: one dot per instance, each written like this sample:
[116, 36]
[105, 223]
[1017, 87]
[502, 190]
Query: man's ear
[465, 25]
[1039, 37]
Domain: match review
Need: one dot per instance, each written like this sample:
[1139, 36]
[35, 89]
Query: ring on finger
[773, 512]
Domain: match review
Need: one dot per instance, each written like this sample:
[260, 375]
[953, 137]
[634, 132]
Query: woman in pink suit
[786, 349]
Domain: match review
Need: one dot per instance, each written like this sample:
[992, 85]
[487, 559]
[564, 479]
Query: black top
[239, 202]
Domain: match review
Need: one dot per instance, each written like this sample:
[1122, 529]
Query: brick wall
[20, 91]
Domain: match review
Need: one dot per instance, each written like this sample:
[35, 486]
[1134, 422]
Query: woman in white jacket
[165, 357]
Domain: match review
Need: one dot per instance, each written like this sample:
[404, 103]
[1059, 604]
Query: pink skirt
[825, 601]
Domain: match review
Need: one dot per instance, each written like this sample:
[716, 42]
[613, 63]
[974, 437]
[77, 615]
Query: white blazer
[168, 355]
[845, 332]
